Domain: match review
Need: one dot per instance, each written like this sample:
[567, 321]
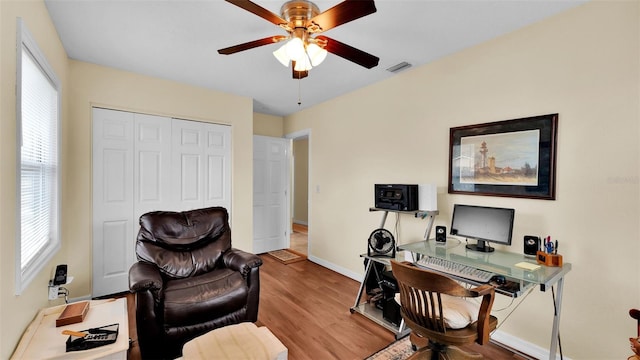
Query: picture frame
[510, 158]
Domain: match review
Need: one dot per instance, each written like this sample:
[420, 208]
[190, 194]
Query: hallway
[299, 239]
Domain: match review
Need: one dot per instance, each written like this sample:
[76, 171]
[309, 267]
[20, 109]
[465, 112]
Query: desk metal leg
[556, 321]
[402, 330]
[367, 270]
[427, 231]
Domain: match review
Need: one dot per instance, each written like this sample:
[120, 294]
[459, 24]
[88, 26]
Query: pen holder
[549, 259]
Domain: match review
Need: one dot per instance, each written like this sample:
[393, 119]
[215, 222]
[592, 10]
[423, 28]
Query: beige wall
[584, 65]
[17, 311]
[268, 125]
[300, 181]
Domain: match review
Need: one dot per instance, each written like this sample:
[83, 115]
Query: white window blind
[38, 141]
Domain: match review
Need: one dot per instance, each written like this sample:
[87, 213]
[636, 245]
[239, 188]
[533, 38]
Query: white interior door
[113, 220]
[271, 159]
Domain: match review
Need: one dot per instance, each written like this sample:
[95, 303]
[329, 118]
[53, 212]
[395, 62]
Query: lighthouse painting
[514, 158]
[509, 158]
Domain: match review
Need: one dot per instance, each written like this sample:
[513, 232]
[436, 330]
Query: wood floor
[307, 307]
[299, 239]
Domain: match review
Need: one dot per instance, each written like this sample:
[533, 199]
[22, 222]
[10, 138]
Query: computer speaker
[531, 245]
[441, 234]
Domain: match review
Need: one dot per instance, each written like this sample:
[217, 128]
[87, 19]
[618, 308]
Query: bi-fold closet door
[145, 163]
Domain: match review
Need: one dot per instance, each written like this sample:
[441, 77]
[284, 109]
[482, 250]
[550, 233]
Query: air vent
[399, 67]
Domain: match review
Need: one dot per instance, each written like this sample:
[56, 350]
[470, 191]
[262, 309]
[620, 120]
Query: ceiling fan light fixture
[303, 64]
[316, 54]
[303, 21]
[281, 55]
[295, 49]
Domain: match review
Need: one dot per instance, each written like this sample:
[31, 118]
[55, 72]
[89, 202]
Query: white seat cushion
[458, 312]
[240, 341]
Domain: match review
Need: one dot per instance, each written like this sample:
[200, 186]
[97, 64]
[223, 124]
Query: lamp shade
[303, 64]
[304, 57]
[295, 49]
[316, 54]
[281, 55]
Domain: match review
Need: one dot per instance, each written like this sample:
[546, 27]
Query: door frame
[302, 134]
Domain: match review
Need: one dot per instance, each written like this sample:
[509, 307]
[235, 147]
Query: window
[38, 114]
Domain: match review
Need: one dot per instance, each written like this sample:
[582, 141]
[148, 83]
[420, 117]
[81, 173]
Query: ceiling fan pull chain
[299, 91]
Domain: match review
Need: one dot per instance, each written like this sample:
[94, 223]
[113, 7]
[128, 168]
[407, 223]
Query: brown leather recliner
[189, 280]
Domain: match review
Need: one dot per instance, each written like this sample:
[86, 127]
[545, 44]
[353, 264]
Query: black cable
[555, 313]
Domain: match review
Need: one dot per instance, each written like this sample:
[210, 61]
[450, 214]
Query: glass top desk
[500, 263]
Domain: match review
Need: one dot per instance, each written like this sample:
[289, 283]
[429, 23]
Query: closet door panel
[152, 167]
[202, 167]
[187, 163]
[217, 166]
[113, 197]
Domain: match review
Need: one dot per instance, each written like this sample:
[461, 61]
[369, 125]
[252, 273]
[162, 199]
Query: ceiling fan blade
[251, 44]
[350, 53]
[342, 13]
[258, 10]
[298, 74]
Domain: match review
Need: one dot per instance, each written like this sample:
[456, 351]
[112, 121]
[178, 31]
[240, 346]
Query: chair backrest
[635, 313]
[184, 244]
[422, 293]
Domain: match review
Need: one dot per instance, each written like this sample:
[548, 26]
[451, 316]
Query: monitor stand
[481, 246]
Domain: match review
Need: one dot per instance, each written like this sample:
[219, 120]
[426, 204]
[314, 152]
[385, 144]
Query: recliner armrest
[144, 276]
[241, 261]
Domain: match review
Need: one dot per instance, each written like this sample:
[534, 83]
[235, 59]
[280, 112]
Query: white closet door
[271, 158]
[201, 164]
[152, 164]
[217, 166]
[113, 196]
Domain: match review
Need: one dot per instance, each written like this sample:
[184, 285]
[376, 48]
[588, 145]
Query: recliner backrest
[184, 244]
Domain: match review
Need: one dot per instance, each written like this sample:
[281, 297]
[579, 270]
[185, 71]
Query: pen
[555, 249]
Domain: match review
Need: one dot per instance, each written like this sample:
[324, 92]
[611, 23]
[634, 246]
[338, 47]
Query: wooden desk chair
[635, 343]
[426, 300]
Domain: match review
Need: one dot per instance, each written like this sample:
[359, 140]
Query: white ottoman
[236, 342]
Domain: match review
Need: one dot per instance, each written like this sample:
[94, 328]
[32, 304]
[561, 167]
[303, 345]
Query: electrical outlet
[53, 292]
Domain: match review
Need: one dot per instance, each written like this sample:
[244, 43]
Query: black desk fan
[381, 243]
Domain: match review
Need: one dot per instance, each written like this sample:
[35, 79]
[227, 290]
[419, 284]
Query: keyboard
[455, 269]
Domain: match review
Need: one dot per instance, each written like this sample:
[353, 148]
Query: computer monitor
[484, 224]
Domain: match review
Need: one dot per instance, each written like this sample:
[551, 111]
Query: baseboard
[340, 270]
[300, 222]
[522, 347]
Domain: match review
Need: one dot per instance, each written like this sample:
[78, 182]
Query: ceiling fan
[303, 21]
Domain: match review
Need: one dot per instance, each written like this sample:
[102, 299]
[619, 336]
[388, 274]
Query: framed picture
[514, 158]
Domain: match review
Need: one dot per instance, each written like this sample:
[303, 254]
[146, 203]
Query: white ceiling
[178, 40]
